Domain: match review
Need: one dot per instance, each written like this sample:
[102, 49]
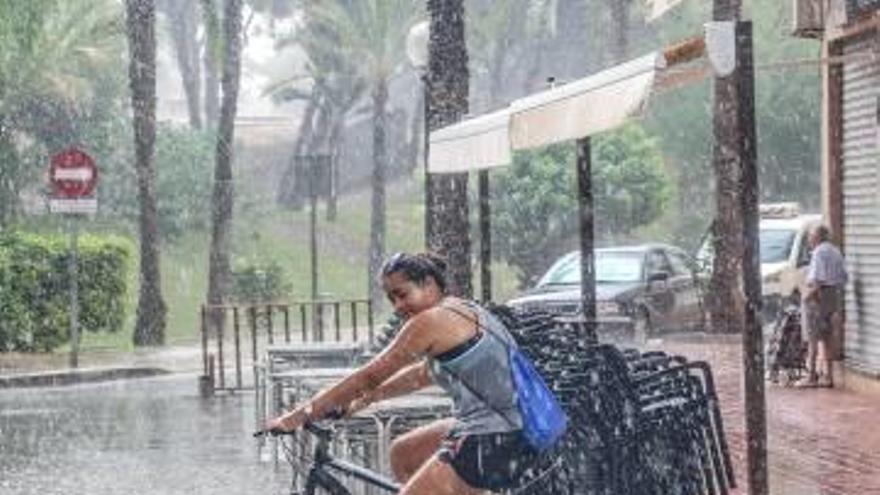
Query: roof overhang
[474, 144]
[575, 110]
[584, 107]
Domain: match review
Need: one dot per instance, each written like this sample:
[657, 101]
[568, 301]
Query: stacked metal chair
[640, 423]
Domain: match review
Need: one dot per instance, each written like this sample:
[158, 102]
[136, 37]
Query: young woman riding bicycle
[442, 341]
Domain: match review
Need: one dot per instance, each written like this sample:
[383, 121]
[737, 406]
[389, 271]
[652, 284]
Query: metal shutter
[861, 203]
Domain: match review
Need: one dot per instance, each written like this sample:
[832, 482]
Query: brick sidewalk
[821, 441]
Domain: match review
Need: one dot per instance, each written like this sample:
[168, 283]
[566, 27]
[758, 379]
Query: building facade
[849, 31]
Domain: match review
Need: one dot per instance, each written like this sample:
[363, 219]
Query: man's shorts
[818, 315]
[493, 461]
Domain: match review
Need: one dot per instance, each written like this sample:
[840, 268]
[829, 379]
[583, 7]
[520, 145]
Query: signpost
[318, 172]
[73, 177]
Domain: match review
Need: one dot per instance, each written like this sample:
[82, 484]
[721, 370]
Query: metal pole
[204, 328]
[313, 241]
[585, 205]
[426, 147]
[237, 331]
[485, 237]
[752, 342]
[74, 291]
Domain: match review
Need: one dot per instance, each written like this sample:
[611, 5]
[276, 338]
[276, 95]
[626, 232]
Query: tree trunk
[10, 176]
[377, 210]
[212, 58]
[182, 19]
[335, 150]
[726, 302]
[290, 191]
[151, 310]
[223, 196]
[448, 232]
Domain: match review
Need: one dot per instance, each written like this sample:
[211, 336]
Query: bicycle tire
[320, 482]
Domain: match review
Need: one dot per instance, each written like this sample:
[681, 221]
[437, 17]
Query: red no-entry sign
[73, 174]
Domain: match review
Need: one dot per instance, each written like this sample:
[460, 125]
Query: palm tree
[151, 311]
[337, 85]
[372, 32]
[213, 49]
[447, 81]
[222, 200]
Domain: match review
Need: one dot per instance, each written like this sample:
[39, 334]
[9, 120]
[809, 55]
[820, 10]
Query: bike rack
[233, 337]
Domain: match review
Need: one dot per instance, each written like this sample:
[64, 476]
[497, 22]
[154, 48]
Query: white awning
[474, 144]
[586, 106]
[578, 109]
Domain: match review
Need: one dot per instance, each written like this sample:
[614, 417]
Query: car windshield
[776, 245]
[611, 266]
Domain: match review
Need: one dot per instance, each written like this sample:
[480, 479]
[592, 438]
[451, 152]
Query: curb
[73, 377]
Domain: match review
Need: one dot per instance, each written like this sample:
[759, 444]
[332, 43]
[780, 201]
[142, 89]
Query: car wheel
[642, 329]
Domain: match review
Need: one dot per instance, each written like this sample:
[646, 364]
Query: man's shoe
[825, 382]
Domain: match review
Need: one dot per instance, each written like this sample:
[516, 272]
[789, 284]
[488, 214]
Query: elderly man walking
[822, 305]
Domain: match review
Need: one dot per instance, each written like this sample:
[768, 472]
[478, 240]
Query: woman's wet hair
[417, 267]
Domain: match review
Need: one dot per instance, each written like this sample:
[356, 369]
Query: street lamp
[417, 45]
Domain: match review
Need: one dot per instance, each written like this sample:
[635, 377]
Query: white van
[785, 253]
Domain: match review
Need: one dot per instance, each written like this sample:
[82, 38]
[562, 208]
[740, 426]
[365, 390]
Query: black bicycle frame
[324, 466]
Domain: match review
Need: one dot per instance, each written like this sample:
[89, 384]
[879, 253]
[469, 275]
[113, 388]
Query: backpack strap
[476, 321]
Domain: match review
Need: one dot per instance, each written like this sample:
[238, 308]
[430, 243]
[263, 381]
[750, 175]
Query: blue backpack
[543, 420]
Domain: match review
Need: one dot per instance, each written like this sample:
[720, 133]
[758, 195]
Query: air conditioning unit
[807, 17]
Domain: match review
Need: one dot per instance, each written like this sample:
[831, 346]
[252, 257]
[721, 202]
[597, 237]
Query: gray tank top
[485, 368]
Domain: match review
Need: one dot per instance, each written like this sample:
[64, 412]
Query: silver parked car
[640, 290]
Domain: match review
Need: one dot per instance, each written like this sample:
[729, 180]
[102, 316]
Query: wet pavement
[145, 436]
[156, 436]
[821, 441]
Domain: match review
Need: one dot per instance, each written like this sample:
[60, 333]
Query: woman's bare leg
[437, 478]
[410, 450]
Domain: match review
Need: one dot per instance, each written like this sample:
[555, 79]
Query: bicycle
[322, 477]
[324, 469]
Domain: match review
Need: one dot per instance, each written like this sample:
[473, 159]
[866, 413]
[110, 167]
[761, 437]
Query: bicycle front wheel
[321, 482]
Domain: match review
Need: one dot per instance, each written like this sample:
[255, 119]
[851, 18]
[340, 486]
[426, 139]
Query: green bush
[184, 180]
[535, 203]
[34, 288]
[258, 282]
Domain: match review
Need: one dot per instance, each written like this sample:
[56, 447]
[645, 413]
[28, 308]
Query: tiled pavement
[821, 441]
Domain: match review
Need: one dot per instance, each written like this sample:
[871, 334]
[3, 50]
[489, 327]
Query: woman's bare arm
[414, 377]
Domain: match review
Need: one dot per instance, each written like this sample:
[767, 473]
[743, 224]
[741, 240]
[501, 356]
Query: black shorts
[493, 461]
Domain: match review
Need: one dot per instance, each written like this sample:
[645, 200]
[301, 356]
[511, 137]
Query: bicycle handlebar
[312, 427]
